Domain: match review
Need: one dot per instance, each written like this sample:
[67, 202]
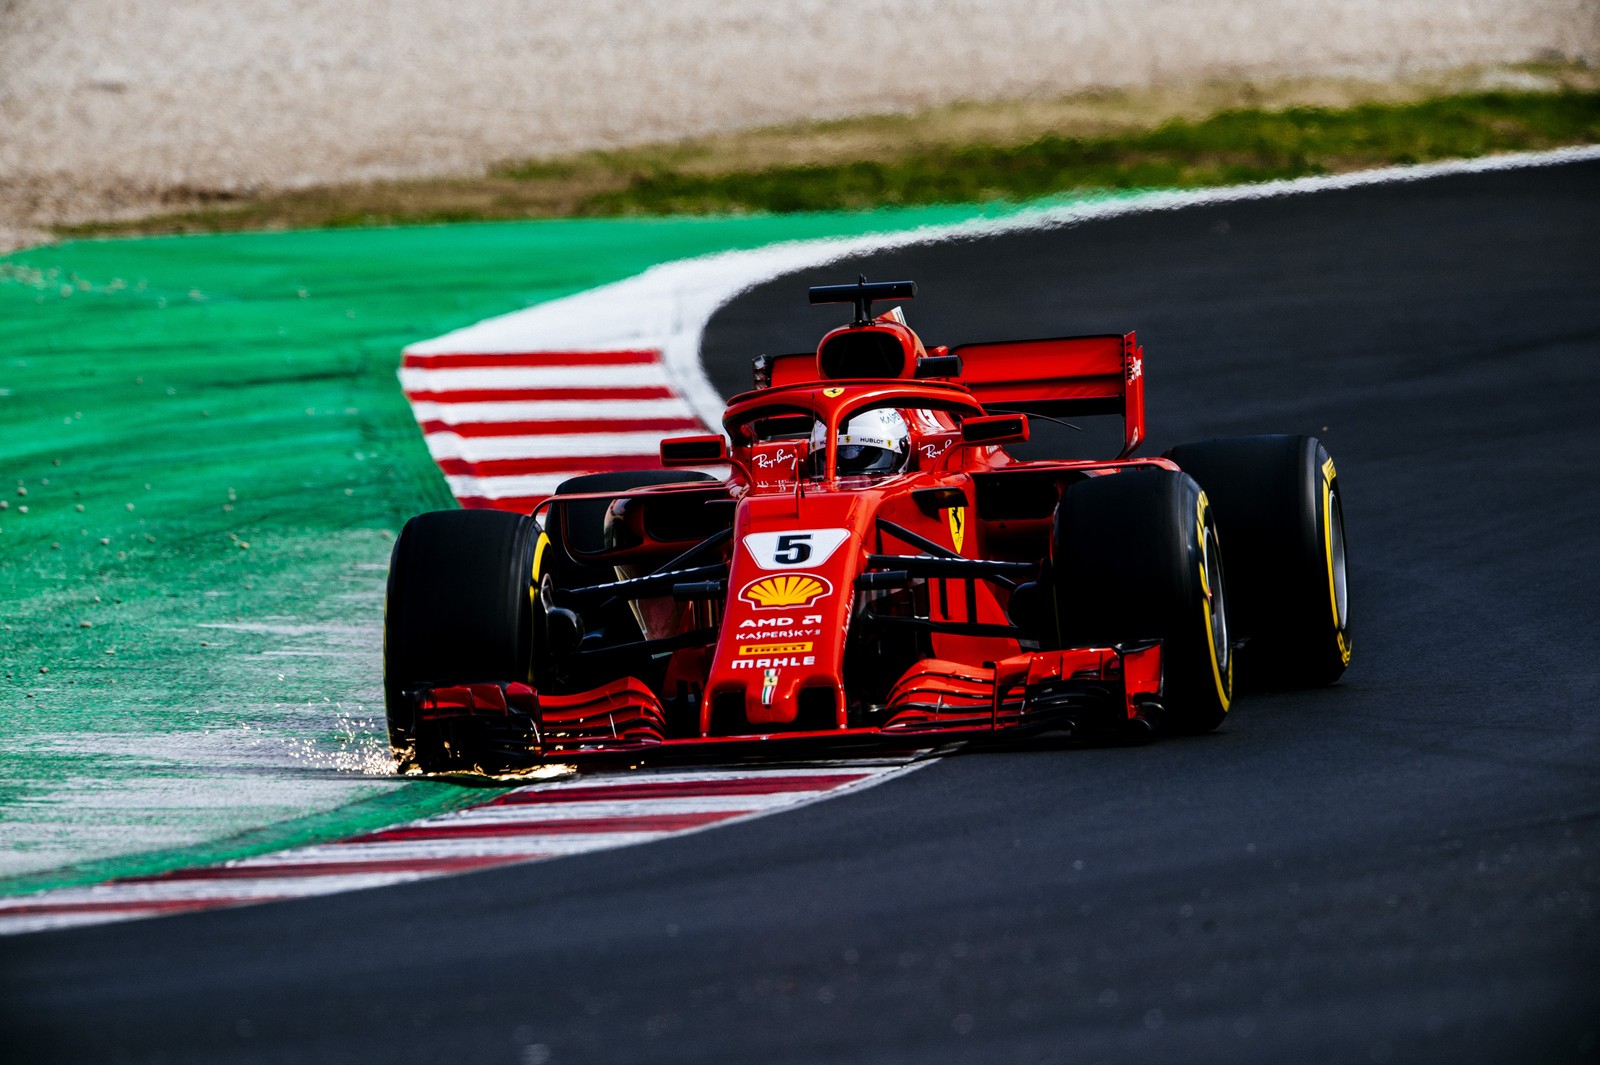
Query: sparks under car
[876, 569]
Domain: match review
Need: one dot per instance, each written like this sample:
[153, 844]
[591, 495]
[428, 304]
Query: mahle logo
[789, 590]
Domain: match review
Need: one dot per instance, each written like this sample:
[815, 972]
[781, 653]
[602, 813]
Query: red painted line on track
[597, 424]
[511, 395]
[518, 504]
[550, 826]
[530, 358]
[686, 789]
[554, 464]
[279, 870]
[151, 906]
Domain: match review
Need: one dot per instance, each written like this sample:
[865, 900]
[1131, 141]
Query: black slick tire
[1134, 557]
[458, 610]
[1278, 504]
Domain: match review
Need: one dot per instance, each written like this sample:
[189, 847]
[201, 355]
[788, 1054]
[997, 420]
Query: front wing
[1096, 690]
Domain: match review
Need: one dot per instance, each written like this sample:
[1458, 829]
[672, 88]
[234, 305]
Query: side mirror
[942, 365]
[694, 450]
[995, 429]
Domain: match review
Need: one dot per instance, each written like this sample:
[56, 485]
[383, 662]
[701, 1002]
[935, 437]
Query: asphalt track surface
[1403, 867]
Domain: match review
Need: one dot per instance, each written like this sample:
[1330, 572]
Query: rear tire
[1134, 557]
[1278, 505]
[458, 610]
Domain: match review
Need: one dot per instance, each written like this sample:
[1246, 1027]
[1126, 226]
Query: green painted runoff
[204, 457]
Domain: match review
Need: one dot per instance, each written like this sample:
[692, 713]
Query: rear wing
[1063, 376]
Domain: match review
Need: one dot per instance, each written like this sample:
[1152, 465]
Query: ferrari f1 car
[876, 569]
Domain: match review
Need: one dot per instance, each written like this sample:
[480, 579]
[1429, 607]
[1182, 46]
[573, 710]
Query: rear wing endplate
[1063, 376]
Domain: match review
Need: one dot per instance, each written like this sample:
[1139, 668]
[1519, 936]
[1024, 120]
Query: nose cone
[791, 589]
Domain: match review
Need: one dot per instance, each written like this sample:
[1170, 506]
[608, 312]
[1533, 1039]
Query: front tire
[1278, 503]
[458, 610]
[1134, 556]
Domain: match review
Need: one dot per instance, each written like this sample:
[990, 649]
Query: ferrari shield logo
[958, 526]
[769, 685]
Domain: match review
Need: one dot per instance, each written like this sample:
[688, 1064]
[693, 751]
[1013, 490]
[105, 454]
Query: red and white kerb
[507, 428]
[575, 815]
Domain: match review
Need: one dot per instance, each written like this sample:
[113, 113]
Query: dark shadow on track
[1404, 867]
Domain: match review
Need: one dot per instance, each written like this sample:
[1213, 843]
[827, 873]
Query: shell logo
[786, 590]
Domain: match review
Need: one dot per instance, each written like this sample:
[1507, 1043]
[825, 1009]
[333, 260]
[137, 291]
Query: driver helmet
[874, 442]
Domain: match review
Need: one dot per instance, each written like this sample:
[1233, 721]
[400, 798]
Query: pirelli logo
[775, 649]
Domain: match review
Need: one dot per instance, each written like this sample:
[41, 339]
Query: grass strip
[966, 154]
[1230, 148]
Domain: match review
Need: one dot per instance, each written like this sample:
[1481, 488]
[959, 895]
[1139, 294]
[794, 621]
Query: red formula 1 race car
[877, 569]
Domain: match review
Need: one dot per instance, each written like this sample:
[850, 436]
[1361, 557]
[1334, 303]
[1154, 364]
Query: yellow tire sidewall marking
[533, 587]
[1328, 475]
[538, 563]
[1205, 585]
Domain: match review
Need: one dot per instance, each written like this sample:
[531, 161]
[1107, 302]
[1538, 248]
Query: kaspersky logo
[787, 590]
